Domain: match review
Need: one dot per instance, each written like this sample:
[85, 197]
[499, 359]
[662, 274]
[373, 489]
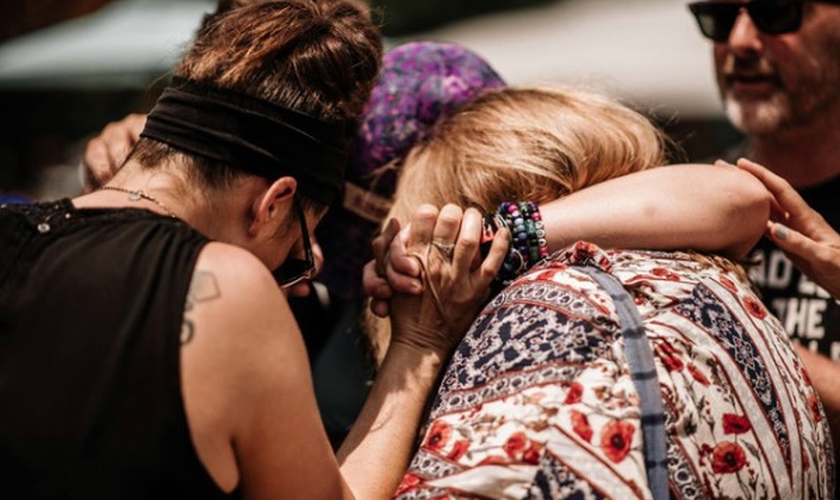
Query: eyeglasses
[295, 270]
[773, 17]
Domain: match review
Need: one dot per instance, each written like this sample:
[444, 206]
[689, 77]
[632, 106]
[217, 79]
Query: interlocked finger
[446, 230]
[422, 227]
[381, 243]
[447, 249]
[467, 248]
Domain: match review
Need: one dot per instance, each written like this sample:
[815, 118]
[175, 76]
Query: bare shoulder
[234, 305]
[236, 267]
[241, 351]
[230, 286]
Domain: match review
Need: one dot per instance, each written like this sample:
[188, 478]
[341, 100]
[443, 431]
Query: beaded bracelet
[527, 232]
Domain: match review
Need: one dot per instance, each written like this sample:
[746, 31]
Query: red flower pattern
[408, 483]
[668, 356]
[616, 438]
[805, 377]
[727, 283]
[516, 444]
[661, 272]
[546, 275]
[459, 449]
[494, 460]
[697, 374]
[735, 424]
[438, 435]
[575, 393]
[755, 307]
[728, 457]
[580, 424]
[816, 408]
[532, 454]
[521, 449]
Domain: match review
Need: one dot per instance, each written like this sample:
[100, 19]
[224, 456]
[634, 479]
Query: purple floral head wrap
[419, 83]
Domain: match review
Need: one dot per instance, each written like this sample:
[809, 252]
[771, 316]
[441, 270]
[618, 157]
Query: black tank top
[91, 304]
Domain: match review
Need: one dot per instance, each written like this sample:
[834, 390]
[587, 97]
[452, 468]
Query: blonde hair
[535, 144]
[515, 144]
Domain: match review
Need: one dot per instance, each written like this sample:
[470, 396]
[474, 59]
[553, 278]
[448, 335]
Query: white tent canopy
[123, 45]
[648, 52]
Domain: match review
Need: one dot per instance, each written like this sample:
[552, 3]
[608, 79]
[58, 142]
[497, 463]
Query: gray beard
[758, 118]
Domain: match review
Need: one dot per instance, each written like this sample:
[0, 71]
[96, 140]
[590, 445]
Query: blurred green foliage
[404, 17]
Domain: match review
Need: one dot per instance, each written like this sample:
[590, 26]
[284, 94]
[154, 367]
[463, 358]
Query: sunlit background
[68, 67]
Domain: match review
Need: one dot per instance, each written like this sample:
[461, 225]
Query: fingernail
[780, 232]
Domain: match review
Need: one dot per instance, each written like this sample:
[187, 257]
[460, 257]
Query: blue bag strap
[639, 356]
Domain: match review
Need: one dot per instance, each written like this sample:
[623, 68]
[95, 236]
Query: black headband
[251, 134]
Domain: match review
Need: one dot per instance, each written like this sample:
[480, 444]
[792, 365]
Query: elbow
[752, 203]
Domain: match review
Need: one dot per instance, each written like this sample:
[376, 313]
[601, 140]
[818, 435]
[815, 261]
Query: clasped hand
[430, 276]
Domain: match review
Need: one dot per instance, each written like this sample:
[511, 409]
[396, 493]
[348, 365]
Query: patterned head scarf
[419, 83]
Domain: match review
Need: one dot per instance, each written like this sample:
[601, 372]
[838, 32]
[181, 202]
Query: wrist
[423, 359]
[528, 243]
[421, 348]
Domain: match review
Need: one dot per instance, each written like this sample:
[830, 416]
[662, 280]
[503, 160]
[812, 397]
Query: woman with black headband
[146, 349]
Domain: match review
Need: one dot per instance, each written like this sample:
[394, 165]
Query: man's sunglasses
[773, 17]
[295, 270]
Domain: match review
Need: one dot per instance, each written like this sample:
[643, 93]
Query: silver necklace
[138, 194]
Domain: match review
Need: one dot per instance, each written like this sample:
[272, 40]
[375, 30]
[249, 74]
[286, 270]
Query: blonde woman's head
[518, 144]
[535, 144]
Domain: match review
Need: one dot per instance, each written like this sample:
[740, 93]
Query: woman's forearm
[383, 437]
[426, 329]
[703, 207]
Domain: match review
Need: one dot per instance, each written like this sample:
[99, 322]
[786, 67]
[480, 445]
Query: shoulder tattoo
[203, 288]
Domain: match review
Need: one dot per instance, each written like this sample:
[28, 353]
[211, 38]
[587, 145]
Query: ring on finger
[446, 248]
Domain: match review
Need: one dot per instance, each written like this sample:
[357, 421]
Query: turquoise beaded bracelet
[528, 238]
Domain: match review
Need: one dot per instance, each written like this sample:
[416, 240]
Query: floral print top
[537, 402]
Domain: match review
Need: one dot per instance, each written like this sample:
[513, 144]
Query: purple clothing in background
[419, 83]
